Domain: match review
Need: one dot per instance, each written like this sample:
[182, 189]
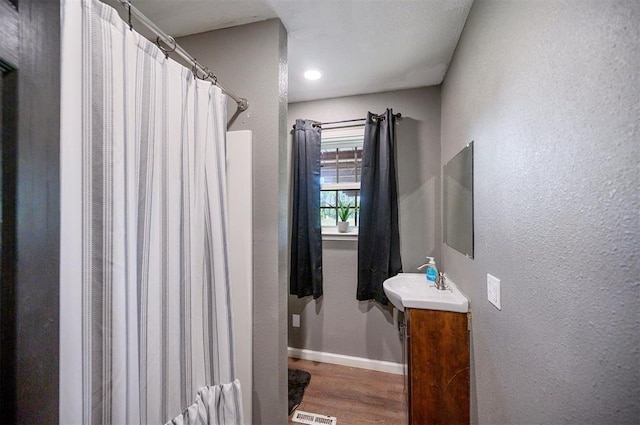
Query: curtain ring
[169, 48]
[206, 72]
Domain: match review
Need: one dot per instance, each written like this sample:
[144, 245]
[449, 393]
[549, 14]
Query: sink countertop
[411, 290]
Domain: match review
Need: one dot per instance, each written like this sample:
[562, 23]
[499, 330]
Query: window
[340, 168]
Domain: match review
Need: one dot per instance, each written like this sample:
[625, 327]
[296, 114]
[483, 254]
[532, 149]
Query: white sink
[411, 290]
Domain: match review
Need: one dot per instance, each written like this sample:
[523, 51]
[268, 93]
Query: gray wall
[251, 60]
[338, 323]
[549, 91]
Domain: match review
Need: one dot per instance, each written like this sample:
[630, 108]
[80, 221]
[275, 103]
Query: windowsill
[332, 234]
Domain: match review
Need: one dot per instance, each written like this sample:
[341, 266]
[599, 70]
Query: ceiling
[360, 46]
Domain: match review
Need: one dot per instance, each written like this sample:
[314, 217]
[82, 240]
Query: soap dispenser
[432, 270]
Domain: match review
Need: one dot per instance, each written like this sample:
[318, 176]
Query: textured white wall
[251, 60]
[549, 91]
[339, 323]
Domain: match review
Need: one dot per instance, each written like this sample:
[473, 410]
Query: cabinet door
[438, 367]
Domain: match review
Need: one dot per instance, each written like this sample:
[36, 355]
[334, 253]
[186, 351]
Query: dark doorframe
[30, 260]
[8, 144]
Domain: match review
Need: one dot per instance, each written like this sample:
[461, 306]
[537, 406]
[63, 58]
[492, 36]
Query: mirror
[457, 201]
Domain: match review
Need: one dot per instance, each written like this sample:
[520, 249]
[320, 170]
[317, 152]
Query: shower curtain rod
[381, 116]
[172, 46]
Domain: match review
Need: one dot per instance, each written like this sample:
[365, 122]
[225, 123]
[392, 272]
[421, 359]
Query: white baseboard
[341, 359]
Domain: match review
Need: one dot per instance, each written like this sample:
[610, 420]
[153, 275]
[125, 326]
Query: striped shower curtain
[146, 333]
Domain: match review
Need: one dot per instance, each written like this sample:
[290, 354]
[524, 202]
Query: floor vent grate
[313, 418]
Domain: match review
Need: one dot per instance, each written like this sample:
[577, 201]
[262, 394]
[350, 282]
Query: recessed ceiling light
[312, 74]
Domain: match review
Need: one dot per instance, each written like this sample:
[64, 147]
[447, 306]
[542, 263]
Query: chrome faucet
[441, 283]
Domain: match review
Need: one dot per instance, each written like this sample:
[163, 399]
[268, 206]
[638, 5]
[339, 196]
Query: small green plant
[344, 211]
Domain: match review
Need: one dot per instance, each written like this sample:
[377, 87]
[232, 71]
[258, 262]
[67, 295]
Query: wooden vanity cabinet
[438, 361]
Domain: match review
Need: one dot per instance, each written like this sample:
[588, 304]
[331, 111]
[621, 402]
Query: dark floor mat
[298, 381]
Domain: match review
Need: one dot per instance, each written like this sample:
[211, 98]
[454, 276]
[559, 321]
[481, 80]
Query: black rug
[298, 381]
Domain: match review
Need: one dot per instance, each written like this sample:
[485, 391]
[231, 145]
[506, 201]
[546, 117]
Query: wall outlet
[493, 290]
[295, 320]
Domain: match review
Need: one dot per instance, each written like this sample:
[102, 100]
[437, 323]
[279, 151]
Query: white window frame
[341, 138]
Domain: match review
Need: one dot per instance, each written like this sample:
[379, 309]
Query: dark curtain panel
[306, 233]
[378, 233]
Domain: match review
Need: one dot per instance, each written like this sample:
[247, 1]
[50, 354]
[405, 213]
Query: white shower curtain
[145, 300]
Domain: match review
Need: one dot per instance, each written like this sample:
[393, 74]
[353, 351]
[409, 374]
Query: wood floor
[352, 395]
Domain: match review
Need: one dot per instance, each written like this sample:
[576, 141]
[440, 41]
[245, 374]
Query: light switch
[295, 320]
[493, 290]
